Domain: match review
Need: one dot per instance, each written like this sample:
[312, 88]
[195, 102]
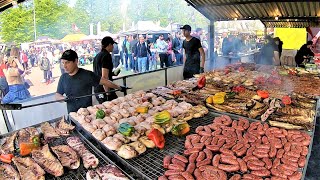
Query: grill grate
[77, 174]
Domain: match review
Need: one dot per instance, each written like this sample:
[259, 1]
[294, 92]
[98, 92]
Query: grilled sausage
[201, 156]
[243, 165]
[280, 153]
[162, 178]
[296, 176]
[304, 151]
[191, 151]
[178, 162]
[208, 141]
[237, 146]
[166, 161]
[261, 173]
[276, 163]
[175, 167]
[176, 177]
[226, 151]
[250, 151]
[187, 176]
[197, 174]
[277, 178]
[229, 160]
[181, 158]
[213, 148]
[254, 167]
[268, 163]
[248, 158]
[302, 161]
[172, 172]
[290, 153]
[251, 176]
[187, 144]
[257, 162]
[204, 162]
[193, 157]
[273, 152]
[241, 151]
[260, 155]
[285, 171]
[204, 133]
[229, 168]
[278, 173]
[199, 128]
[235, 177]
[204, 138]
[191, 167]
[208, 153]
[215, 160]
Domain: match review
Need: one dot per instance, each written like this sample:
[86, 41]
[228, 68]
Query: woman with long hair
[17, 88]
[3, 82]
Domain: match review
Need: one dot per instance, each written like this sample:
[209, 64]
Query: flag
[75, 28]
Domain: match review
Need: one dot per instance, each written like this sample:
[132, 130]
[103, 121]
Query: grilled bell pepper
[230, 95]
[201, 82]
[263, 94]
[27, 148]
[180, 129]
[6, 158]
[162, 117]
[218, 99]
[238, 89]
[157, 137]
[126, 129]
[142, 109]
[286, 100]
[100, 114]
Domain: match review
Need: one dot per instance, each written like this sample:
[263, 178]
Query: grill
[77, 174]
[149, 165]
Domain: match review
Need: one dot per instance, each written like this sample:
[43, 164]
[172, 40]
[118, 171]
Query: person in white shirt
[162, 48]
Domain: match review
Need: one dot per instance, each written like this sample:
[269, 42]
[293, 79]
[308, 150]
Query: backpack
[45, 64]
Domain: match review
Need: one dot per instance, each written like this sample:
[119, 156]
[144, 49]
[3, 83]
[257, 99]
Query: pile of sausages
[238, 149]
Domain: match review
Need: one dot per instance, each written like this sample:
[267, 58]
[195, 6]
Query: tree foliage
[54, 18]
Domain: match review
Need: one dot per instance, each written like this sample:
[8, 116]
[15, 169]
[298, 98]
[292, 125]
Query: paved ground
[38, 88]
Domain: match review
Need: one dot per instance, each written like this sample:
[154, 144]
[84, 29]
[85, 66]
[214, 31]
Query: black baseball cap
[107, 40]
[69, 55]
[186, 27]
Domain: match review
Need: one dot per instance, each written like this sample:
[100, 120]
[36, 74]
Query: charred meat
[8, 172]
[67, 156]
[28, 169]
[47, 161]
[48, 131]
[92, 175]
[89, 159]
[26, 134]
[7, 144]
[63, 128]
[111, 172]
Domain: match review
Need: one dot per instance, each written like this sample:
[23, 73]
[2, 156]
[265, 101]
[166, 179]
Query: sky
[72, 3]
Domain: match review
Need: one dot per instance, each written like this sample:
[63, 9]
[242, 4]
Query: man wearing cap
[103, 66]
[193, 52]
[78, 82]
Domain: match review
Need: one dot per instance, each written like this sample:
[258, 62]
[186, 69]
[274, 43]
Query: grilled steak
[7, 145]
[47, 161]
[7, 172]
[48, 131]
[110, 172]
[26, 134]
[28, 169]
[92, 175]
[89, 159]
[63, 128]
[67, 156]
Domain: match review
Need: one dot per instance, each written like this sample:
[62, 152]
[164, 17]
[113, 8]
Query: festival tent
[145, 27]
[73, 37]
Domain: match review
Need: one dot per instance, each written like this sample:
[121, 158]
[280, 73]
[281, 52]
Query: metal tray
[149, 164]
[80, 173]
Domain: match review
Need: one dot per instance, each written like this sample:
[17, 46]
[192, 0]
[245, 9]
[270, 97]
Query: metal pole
[211, 45]
[34, 21]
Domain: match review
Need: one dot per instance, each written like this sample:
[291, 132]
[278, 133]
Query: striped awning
[273, 13]
[5, 4]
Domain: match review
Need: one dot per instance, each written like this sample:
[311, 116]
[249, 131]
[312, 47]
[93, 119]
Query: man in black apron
[193, 51]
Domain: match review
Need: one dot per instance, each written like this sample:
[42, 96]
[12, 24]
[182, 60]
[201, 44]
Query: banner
[292, 38]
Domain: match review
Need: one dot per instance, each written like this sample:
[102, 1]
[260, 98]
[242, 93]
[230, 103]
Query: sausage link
[296, 176]
[278, 173]
[197, 174]
[208, 153]
[176, 177]
[216, 132]
[208, 141]
[285, 171]
[172, 172]
[248, 158]
[241, 151]
[261, 173]
[229, 168]
[251, 176]
[243, 165]
[166, 161]
[260, 155]
[198, 129]
[213, 148]
[280, 153]
[207, 129]
[191, 167]
[181, 158]
[215, 160]
[288, 161]
[287, 147]
[191, 151]
[304, 151]
[187, 175]
[235, 177]
[187, 144]
[178, 162]
[268, 163]
[201, 156]
[226, 151]
[237, 146]
[250, 151]
[283, 141]
[276, 163]
[204, 138]
[291, 167]
[302, 161]
[221, 142]
[204, 133]
[175, 167]
[273, 152]
[254, 167]
[257, 162]
[204, 162]
[263, 146]
[198, 145]
[277, 178]
[290, 153]
[193, 157]
[162, 178]
[290, 158]
[265, 140]
[229, 160]
[229, 145]
[262, 150]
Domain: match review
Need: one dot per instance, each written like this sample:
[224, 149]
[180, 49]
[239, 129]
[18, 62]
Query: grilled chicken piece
[67, 156]
[48, 131]
[28, 169]
[92, 175]
[89, 159]
[26, 134]
[7, 145]
[139, 147]
[127, 152]
[7, 172]
[112, 143]
[111, 172]
[99, 134]
[47, 161]
[63, 128]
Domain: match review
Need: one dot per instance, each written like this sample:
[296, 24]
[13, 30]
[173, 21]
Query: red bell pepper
[238, 89]
[263, 94]
[6, 158]
[201, 82]
[286, 100]
[157, 137]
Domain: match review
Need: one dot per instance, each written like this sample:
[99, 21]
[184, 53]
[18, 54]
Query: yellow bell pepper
[218, 99]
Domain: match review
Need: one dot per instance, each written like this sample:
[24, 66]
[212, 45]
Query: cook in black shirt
[78, 82]
[102, 66]
[193, 51]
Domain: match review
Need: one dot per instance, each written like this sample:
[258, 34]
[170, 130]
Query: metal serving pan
[149, 164]
[77, 174]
